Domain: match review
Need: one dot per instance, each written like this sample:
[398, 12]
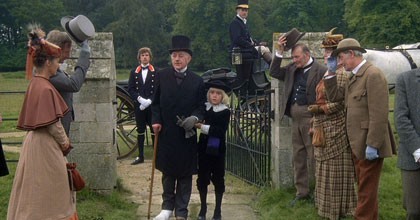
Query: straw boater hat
[79, 28]
[242, 4]
[181, 43]
[348, 44]
[292, 37]
[331, 40]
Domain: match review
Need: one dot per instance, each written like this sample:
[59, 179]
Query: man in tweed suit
[407, 119]
[300, 79]
[368, 130]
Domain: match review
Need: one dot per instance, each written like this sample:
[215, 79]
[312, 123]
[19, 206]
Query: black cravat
[179, 76]
[145, 67]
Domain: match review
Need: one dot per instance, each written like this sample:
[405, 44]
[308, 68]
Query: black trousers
[143, 118]
[3, 166]
[176, 194]
[211, 168]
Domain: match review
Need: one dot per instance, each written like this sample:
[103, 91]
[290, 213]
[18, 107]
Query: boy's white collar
[216, 108]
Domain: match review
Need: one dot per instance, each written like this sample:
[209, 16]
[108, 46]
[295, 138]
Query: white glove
[144, 103]
[371, 153]
[142, 107]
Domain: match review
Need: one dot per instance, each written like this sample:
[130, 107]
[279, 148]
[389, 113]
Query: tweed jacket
[136, 86]
[287, 74]
[67, 84]
[366, 101]
[407, 117]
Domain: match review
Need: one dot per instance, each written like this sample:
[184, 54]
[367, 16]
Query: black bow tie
[145, 67]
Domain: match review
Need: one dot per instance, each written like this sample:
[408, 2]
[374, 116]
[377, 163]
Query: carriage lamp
[236, 56]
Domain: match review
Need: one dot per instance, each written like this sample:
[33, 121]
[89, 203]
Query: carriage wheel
[251, 119]
[126, 126]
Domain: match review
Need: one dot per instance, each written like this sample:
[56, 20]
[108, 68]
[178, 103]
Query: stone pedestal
[92, 134]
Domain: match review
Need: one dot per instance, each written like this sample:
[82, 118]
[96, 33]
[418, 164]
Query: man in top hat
[68, 83]
[368, 130]
[300, 80]
[177, 106]
[240, 37]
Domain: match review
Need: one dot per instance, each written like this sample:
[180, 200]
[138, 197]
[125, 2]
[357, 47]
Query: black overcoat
[177, 155]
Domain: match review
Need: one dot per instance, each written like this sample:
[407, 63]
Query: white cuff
[279, 55]
[205, 129]
[416, 155]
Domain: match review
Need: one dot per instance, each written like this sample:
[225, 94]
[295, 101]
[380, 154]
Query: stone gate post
[281, 132]
[92, 134]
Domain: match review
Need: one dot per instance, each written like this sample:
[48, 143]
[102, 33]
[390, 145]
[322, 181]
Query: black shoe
[216, 218]
[300, 198]
[200, 217]
[138, 160]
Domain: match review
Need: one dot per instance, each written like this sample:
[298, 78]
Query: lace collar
[216, 108]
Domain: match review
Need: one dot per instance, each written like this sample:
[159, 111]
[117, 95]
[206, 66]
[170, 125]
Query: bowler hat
[218, 84]
[181, 43]
[331, 40]
[292, 38]
[79, 28]
[348, 44]
[242, 4]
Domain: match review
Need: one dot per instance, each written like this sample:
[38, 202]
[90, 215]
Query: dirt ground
[237, 200]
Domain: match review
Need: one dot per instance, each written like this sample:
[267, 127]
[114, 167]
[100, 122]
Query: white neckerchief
[216, 108]
[242, 19]
[309, 62]
[356, 69]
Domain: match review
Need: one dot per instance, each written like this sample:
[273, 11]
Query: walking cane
[153, 173]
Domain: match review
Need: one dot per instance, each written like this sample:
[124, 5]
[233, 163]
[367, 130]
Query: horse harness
[409, 58]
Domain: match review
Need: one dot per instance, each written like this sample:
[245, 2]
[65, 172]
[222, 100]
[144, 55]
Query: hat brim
[339, 50]
[64, 20]
[223, 87]
[242, 6]
[291, 44]
[181, 49]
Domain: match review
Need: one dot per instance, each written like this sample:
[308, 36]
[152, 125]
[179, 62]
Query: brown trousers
[303, 152]
[368, 173]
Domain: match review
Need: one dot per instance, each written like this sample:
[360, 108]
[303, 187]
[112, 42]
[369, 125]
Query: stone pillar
[92, 134]
[281, 132]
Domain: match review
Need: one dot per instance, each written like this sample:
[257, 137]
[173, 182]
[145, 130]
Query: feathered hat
[331, 40]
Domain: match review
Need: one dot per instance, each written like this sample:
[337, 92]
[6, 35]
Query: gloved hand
[371, 153]
[189, 133]
[144, 102]
[315, 109]
[332, 64]
[85, 46]
[189, 122]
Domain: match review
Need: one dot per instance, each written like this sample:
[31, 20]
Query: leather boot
[218, 208]
[203, 208]
[268, 57]
[140, 144]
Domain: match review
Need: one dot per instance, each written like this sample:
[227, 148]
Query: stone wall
[92, 134]
[281, 139]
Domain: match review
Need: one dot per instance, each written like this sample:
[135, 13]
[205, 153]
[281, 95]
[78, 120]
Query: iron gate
[248, 150]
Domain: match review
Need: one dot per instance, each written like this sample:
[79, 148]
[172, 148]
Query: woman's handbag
[318, 137]
[76, 181]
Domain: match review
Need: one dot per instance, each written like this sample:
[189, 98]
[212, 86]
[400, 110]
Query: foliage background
[138, 23]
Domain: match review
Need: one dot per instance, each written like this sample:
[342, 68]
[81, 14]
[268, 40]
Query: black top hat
[181, 43]
[242, 4]
[79, 28]
[292, 37]
[218, 84]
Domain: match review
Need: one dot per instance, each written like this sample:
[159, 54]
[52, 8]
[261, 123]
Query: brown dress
[41, 188]
[335, 195]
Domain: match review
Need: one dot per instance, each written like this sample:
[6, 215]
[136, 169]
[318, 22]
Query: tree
[383, 23]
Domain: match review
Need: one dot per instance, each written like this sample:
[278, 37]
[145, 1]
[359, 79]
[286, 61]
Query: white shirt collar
[354, 71]
[243, 19]
[309, 62]
[182, 70]
[216, 108]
